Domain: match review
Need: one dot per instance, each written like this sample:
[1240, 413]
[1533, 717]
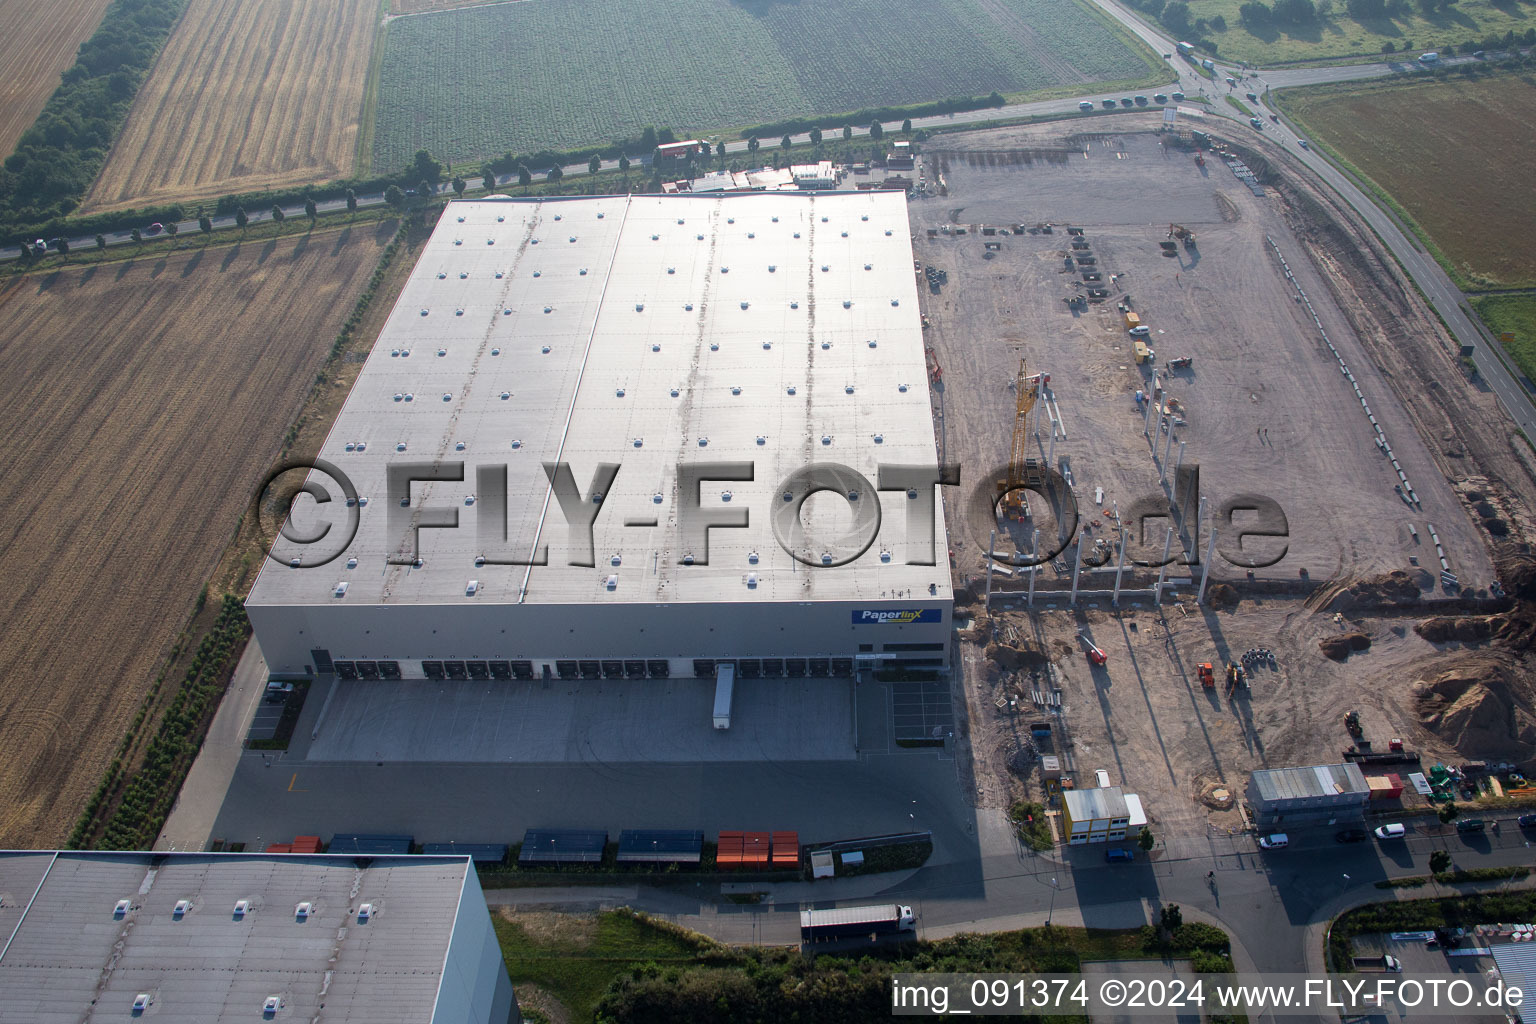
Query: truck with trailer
[855, 922]
[1186, 50]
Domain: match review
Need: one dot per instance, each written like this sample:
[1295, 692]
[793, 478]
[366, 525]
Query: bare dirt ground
[38, 40]
[247, 95]
[1259, 365]
[147, 399]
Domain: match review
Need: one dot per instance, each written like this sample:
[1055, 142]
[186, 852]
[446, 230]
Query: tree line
[58, 158]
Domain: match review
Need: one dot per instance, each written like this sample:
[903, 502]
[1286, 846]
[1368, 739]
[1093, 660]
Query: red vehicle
[156, 228]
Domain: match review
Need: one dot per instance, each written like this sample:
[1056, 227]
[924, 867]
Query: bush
[1031, 825]
[1439, 861]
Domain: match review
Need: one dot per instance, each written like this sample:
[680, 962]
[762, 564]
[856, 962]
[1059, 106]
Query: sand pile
[1339, 647]
[1481, 704]
[1011, 659]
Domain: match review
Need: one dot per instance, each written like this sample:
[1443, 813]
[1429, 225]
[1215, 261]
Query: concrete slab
[647, 721]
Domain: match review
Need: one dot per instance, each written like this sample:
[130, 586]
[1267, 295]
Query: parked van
[1118, 855]
[1102, 778]
[1429, 58]
[1278, 841]
[1392, 831]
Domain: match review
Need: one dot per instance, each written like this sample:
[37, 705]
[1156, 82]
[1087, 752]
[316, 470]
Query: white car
[1392, 831]
[1085, 105]
[1278, 841]
[1140, 331]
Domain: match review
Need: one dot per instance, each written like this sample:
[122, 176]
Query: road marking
[292, 781]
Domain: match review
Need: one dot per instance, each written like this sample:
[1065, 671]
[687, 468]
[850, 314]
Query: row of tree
[58, 158]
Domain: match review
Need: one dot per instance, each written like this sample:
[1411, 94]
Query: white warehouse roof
[779, 329]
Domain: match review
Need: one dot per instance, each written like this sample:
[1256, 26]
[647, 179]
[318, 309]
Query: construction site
[1255, 468]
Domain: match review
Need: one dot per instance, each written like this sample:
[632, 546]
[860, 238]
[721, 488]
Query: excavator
[1183, 234]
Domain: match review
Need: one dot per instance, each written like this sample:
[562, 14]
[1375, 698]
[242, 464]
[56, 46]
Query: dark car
[1159, 98]
[1527, 821]
[1119, 855]
[1471, 825]
[1109, 104]
[1351, 835]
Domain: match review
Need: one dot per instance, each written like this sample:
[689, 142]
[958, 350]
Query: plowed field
[145, 400]
[38, 40]
[248, 95]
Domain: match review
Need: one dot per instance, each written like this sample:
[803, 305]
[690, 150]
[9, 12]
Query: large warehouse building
[736, 390]
[204, 938]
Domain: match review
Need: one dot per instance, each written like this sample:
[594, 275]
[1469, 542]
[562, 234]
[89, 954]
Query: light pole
[1050, 913]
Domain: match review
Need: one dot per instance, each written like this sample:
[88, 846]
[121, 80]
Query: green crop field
[1454, 155]
[1513, 314]
[1333, 33]
[558, 74]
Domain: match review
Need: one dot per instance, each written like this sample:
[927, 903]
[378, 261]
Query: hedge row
[150, 791]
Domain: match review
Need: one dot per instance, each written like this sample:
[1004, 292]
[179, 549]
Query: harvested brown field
[248, 95]
[146, 400]
[38, 40]
[1460, 167]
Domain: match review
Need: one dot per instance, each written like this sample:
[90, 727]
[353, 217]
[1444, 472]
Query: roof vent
[558, 216]
[703, 442]
[794, 305]
[847, 303]
[902, 388]
[730, 220]
[639, 307]
[409, 397]
[826, 558]
[845, 234]
[619, 392]
[655, 348]
[824, 268]
[612, 583]
[573, 238]
[507, 311]
[752, 557]
[699, 237]
[180, 910]
[772, 268]
[351, 563]
[424, 311]
[517, 442]
[825, 345]
[458, 446]
[583, 272]
[458, 241]
[533, 241]
[674, 392]
[394, 352]
[671, 270]
[656, 498]
[879, 439]
[461, 220]
[469, 499]
[751, 234]
[302, 911]
[271, 1006]
[895, 302]
[751, 580]
[341, 590]
[872, 342]
[471, 588]
[885, 556]
[447, 398]
[847, 389]
[442, 352]
[615, 560]
[506, 395]
[869, 266]
[599, 216]
[405, 353]
[364, 912]
[790, 389]
[400, 447]
[241, 906]
[362, 446]
[140, 1003]
[655, 238]
[639, 442]
[735, 390]
[442, 274]
[458, 312]
[479, 561]
[688, 306]
[545, 350]
[826, 438]
[714, 346]
[887, 231]
[762, 439]
[789, 496]
[726, 495]
[767, 345]
[418, 563]
[823, 220]
[121, 908]
[865, 217]
[294, 563]
[797, 234]
[498, 274]
[463, 274]
[538, 273]
[495, 351]
[688, 559]
[725, 270]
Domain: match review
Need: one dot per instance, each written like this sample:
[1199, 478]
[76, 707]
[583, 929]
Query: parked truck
[1384, 962]
[725, 683]
[849, 922]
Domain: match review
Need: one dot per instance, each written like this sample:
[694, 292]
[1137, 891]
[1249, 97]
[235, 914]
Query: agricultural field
[38, 39]
[1513, 314]
[247, 95]
[398, 7]
[623, 66]
[1461, 170]
[1335, 34]
[146, 399]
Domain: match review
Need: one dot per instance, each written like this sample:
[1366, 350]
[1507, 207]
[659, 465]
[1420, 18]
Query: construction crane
[1021, 469]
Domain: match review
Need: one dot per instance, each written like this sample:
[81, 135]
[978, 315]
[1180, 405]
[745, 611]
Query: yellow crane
[1021, 469]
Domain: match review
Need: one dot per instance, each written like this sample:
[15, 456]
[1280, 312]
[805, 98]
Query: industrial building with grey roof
[207, 937]
[750, 370]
